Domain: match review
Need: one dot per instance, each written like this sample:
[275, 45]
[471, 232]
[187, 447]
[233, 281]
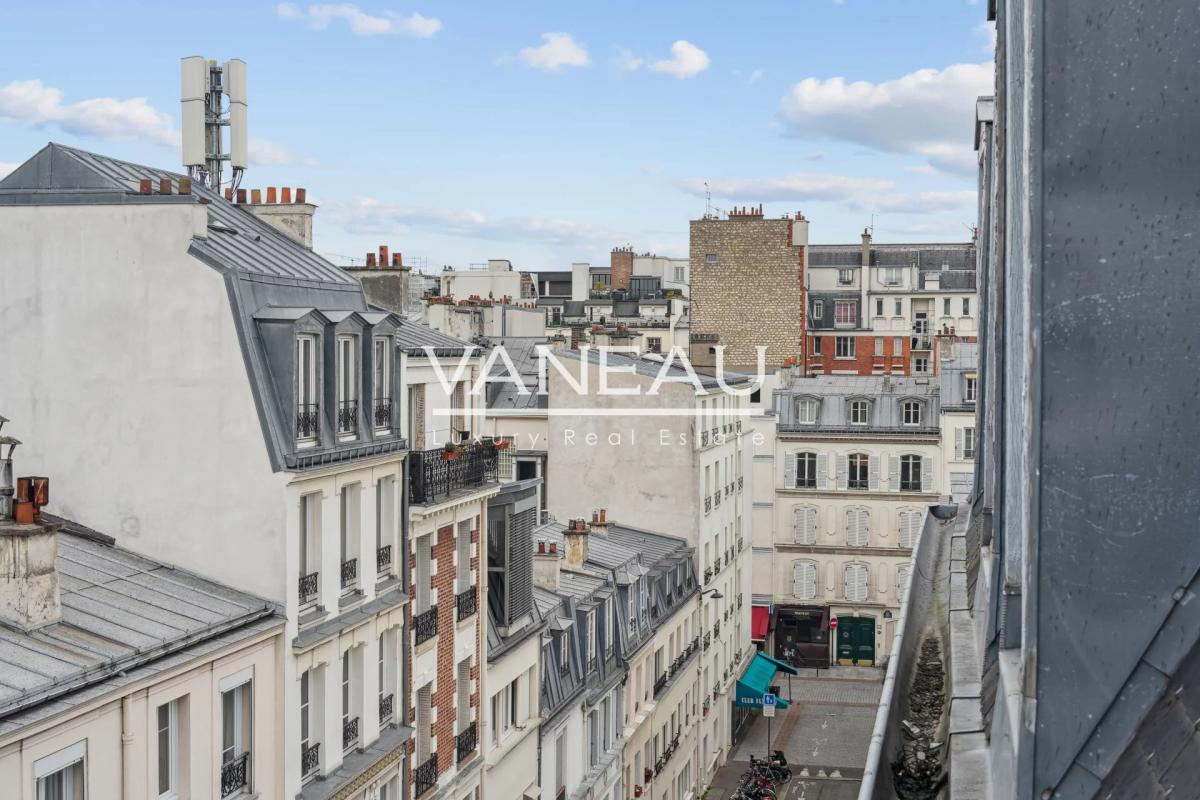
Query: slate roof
[414, 336]
[925, 256]
[886, 393]
[524, 354]
[649, 366]
[121, 613]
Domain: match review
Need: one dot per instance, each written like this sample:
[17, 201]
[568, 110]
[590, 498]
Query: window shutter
[822, 469]
[855, 586]
[804, 524]
[804, 580]
[873, 474]
[909, 520]
[856, 527]
[926, 473]
[789, 470]
[901, 582]
[842, 470]
[798, 579]
[894, 473]
[958, 444]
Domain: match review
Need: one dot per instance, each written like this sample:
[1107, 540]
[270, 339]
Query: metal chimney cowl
[29, 588]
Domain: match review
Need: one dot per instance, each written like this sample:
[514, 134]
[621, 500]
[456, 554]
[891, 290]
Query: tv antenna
[203, 85]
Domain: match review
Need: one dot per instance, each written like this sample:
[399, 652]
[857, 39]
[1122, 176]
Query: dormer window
[860, 412]
[969, 389]
[564, 652]
[591, 641]
[347, 388]
[307, 409]
[912, 410]
[807, 410]
[609, 632]
[381, 401]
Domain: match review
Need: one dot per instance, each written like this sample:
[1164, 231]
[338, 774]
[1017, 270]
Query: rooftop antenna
[203, 83]
[707, 201]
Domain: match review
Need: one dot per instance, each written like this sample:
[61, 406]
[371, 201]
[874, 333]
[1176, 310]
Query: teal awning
[757, 679]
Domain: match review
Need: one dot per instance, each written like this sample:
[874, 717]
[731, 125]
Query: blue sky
[542, 132]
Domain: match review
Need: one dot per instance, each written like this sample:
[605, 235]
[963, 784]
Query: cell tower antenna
[707, 201]
[205, 85]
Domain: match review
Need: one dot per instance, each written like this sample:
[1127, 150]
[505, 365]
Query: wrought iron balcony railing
[465, 743]
[707, 640]
[660, 683]
[426, 625]
[425, 776]
[235, 774]
[716, 498]
[704, 438]
[383, 559]
[308, 420]
[381, 413]
[436, 474]
[386, 708]
[716, 629]
[349, 573]
[708, 573]
[707, 504]
[349, 733]
[347, 416]
[308, 587]
[741, 482]
[466, 603]
[310, 759]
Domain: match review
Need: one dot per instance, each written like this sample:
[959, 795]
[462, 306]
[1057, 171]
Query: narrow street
[824, 734]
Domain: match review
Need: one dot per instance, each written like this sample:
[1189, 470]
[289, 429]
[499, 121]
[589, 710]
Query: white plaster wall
[124, 376]
[571, 725]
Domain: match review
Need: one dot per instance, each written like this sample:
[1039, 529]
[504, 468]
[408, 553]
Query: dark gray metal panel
[1116, 267]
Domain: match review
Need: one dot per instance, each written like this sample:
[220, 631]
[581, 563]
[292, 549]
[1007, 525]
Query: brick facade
[865, 362]
[747, 285]
[621, 267]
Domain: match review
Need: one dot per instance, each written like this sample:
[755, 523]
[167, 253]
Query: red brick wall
[620, 264]
[865, 360]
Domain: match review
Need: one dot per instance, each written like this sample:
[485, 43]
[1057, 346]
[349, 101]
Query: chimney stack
[271, 194]
[255, 196]
[576, 537]
[383, 256]
[29, 595]
[241, 197]
[621, 266]
[866, 247]
[293, 218]
[370, 259]
[144, 186]
[545, 565]
[397, 261]
[164, 185]
[286, 194]
[185, 186]
[599, 523]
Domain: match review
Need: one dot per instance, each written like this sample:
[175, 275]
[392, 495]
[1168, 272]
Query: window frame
[808, 459]
[857, 405]
[907, 461]
[845, 313]
[818, 308]
[381, 390]
[969, 443]
[970, 389]
[346, 377]
[804, 404]
[172, 732]
[62, 762]
[912, 412]
[307, 386]
[844, 347]
[866, 571]
[860, 462]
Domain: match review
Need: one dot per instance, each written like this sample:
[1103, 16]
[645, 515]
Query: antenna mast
[203, 83]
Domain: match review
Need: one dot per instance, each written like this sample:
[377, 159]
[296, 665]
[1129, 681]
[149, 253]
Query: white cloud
[557, 50]
[987, 32]
[928, 112]
[34, 104]
[387, 23]
[755, 76]
[7, 167]
[853, 192]
[627, 61]
[686, 61]
[264, 153]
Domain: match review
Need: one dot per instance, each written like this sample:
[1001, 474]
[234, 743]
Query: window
[307, 766]
[382, 678]
[946, 307]
[804, 525]
[593, 738]
[236, 719]
[908, 528]
[349, 539]
[912, 412]
[920, 365]
[710, 258]
[843, 346]
[858, 528]
[591, 641]
[898, 345]
[307, 416]
[969, 389]
[845, 313]
[879, 307]
[347, 701]
[860, 412]
[609, 644]
[901, 581]
[560, 762]
[804, 580]
[806, 470]
[462, 543]
[347, 390]
[899, 307]
[564, 651]
[462, 686]
[63, 775]
[382, 412]
[310, 548]
[855, 581]
[966, 306]
[966, 444]
[167, 741]
[653, 344]
[891, 276]
[878, 345]
[679, 275]
[807, 410]
[818, 309]
[859, 465]
[910, 473]
[817, 345]
[845, 277]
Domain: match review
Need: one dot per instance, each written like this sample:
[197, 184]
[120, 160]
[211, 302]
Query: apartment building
[629, 275]
[123, 676]
[878, 309]
[645, 324]
[959, 386]
[520, 418]
[686, 441]
[261, 446]
[843, 482]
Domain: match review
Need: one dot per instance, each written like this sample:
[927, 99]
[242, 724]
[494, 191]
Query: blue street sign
[768, 699]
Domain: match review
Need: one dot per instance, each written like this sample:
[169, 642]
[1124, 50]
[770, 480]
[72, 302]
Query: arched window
[855, 582]
[804, 524]
[804, 580]
[909, 527]
[859, 471]
[913, 410]
[858, 527]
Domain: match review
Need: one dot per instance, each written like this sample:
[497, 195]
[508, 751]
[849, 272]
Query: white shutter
[894, 473]
[901, 582]
[958, 444]
[842, 470]
[804, 524]
[873, 474]
[908, 524]
[855, 585]
[856, 527]
[822, 470]
[927, 473]
[789, 470]
[804, 580]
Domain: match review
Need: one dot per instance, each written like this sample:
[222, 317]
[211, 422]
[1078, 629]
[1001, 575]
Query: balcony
[707, 505]
[716, 629]
[347, 417]
[434, 475]
[466, 603]
[741, 482]
[716, 565]
[387, 705]
[381, 413]
[716, 498]
[235, 775]
[426, 625]
[308, 421]
[425, 776]
[310, 759]
[383, 559]
[349, 573]
[465, 743]
[708, 573]
[737, 426]
[660, 683]
[741, 544]
[308, 587]
[349, 733]
[704, 438]
[707, 641]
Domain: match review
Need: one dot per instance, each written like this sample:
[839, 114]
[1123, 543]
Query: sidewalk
[824, 734]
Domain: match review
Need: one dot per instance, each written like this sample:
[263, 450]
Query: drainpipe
[126, 744]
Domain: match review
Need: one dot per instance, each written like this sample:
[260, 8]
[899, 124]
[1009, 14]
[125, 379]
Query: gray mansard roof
[954, 376]
[124, 618]
[924, 256]
[834, 393]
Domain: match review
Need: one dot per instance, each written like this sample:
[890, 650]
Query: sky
[541, 132]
